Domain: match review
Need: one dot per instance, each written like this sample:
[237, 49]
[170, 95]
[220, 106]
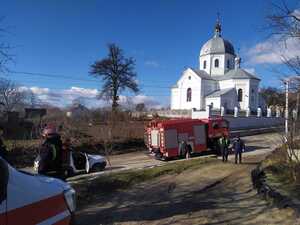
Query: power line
[59, 76]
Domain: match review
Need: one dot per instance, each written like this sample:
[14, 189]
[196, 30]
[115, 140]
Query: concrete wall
[253, 122]
[236, 123]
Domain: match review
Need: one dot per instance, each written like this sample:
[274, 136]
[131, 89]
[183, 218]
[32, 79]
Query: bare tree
[10, 95]
[117, 73]
[284, 23]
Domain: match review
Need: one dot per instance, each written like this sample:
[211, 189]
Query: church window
[216, 63]
[240, 95]
[189, 95]
[204, 64]
[228, 63]
[189, 77]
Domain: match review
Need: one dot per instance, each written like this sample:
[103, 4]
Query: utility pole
[287, 107]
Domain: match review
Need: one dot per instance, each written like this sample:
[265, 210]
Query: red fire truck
[165, 137]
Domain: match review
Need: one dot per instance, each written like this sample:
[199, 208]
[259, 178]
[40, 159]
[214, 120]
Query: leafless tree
[284, 23]
[117, 72]
[10, 95]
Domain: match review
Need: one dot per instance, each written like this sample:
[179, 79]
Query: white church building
[219, 80]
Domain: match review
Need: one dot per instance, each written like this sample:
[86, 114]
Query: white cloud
[149, 101]
[296, 13]
[65, 97]
[152, 63]
[273, 51]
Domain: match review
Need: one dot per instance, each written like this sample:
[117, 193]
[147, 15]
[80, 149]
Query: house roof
[236, 74]
[219, 93]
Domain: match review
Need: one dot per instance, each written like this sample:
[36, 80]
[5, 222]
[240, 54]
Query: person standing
[238, 147]
[223, 146]
[50, 152]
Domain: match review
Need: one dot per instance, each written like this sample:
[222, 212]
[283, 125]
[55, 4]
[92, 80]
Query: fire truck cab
[163, 138]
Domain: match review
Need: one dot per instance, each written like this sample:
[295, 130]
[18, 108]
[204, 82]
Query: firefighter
[184, 149]
[50, 152]
[223, 146]
[239, 147]
[3, 150]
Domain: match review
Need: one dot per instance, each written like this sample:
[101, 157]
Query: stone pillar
[248, 112]
[236, 111]
[222, 111]
[269, 112]
[277, 112]
[258, 112]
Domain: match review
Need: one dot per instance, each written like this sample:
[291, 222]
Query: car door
[3, 190]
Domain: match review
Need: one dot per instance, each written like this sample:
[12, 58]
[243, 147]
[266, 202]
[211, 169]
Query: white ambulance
[27, 199]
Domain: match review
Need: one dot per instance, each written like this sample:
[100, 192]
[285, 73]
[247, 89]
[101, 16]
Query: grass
[112, 182]
[279, 174]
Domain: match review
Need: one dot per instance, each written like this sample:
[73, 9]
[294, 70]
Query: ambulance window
[3, 180]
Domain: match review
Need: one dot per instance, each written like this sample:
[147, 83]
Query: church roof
[236, 74]
[203, 74]
[217, 45]
[219, 93]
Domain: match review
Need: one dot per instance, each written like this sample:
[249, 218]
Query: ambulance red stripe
[37, 212]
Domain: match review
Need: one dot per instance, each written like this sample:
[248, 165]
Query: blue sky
[65, 37]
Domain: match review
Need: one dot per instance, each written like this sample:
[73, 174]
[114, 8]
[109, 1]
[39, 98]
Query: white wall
[229, 100]
[206, 58]
[210, 63]
[208, 86]
[244, 85]
[174, 98]
[225, 84]
[216, 102]
[253, 96]
[188, 80]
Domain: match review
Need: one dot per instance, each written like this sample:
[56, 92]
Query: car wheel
[98, 167]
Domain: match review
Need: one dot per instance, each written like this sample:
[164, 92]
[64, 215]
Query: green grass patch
[111, 182]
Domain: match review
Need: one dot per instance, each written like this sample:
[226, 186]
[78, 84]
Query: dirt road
[217, 193]
[137, 160]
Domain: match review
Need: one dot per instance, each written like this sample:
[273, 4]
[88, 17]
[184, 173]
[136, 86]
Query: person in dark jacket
[238, 147]
[184, 149]
[50, 152]
[223, 146]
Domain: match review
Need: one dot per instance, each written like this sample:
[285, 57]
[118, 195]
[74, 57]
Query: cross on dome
[218, 27]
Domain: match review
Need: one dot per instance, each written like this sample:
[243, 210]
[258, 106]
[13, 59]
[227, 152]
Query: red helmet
[49, 131]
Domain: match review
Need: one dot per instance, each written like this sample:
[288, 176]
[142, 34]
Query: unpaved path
[216, 193]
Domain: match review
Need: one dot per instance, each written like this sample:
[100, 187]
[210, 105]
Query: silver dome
[217, 45]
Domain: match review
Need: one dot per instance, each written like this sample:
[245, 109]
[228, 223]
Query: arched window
[216, 63]
[240, 95]
[228, 63]
[204, 64]
[189, 95]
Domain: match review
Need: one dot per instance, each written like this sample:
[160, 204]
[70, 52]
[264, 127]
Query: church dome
[217, 45]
